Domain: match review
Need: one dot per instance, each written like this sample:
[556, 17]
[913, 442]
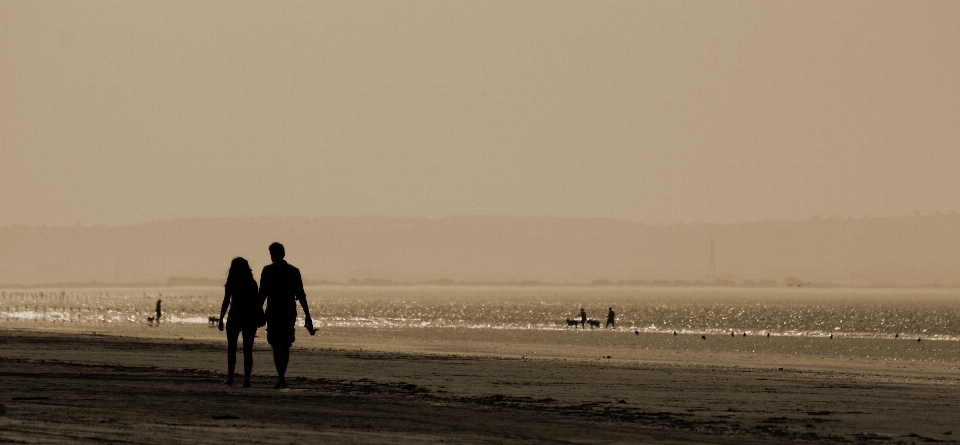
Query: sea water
[788, 311]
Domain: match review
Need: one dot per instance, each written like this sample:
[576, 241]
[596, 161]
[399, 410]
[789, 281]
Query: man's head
[276, 252]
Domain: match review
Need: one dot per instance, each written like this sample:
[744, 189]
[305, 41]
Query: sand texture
[59, 387]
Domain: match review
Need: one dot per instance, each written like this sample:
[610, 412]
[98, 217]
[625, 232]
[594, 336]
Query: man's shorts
[280, 333]
[281, 319]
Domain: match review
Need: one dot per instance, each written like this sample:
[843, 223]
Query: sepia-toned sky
[699, 111]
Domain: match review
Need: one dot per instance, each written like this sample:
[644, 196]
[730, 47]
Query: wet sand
[405, 387]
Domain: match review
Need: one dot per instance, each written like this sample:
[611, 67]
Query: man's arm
[302, 298]
[263, 291]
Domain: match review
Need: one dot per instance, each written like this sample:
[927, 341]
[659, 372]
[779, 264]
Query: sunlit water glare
[881, 313]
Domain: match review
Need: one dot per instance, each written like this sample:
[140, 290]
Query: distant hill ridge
[906, 251]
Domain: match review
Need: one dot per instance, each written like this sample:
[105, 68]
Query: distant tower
[713, 264]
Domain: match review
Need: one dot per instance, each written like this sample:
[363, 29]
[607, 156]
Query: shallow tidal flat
[478, 386]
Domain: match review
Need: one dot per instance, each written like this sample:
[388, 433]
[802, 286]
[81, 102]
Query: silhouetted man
[158, 312]
[610, 319]
[583, 319]
[281, 287]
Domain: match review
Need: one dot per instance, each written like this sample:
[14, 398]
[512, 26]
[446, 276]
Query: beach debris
[621, 401]
[918, 339]
[731, 334]
[897, 336]
[636, 332]
[674, 333]
[831, 336]
[768, 335]
[744, 334]
[703, 337]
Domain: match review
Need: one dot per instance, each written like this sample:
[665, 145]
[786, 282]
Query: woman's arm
[223, 307]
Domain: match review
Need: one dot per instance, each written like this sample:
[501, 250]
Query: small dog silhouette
[150, 320]
[594, 323]
[573, 323]
[214, 320]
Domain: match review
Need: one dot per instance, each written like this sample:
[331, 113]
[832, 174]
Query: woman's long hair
[240, 274]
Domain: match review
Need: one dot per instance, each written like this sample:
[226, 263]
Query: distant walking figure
[158, 312]
[281, 287]
[610, 319]
[583, 318]
[240, 293]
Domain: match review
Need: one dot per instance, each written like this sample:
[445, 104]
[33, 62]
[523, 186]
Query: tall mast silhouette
[713, 264]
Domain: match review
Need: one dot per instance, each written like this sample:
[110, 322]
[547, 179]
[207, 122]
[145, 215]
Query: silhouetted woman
[240, 294]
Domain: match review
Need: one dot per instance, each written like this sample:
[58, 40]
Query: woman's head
[239, 271]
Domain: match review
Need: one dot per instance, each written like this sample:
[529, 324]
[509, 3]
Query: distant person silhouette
[158, 312]
[240, 293]
[611, 317]
[281, 287]
[583, 319]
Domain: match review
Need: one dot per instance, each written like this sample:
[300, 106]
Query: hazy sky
[715, 111]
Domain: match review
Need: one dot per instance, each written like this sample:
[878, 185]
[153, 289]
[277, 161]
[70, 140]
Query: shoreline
[904, 356]
[388, 391]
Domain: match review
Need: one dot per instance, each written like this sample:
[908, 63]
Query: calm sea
[881, 313]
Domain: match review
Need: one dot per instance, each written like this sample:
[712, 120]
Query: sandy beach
[355, 387]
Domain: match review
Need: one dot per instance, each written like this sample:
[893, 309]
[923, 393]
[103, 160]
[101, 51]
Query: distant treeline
[374, 282]
[905, 251]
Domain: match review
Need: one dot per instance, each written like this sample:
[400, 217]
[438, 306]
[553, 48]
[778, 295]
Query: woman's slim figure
[241, 295]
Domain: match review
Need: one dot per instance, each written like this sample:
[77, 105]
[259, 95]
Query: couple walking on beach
[281, 288]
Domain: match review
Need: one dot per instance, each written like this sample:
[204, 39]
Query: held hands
[309, 325]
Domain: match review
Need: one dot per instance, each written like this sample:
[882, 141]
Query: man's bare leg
[281, 357]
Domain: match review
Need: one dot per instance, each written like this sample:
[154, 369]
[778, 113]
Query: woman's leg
[248, 335]
[232, 335]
